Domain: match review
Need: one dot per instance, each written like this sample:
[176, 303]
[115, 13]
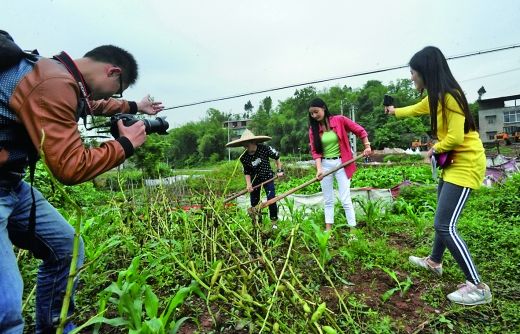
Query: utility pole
[227, 124]
[352, 136]
[229, 149]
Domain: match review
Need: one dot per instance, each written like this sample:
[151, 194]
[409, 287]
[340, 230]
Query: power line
[492, 74]
[508, 89]
[386, 69]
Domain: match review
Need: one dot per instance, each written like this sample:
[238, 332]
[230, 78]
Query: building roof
[496, 102]
[501, 98]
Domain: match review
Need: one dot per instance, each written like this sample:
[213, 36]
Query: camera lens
[158, 125]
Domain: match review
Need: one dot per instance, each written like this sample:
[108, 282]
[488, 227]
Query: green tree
[212, 144]
[369, 109]
[215, 117]
[248, 107]
[288, 126]
[267, 104]
[212, 136]
[260, 123]
[183, 149]
[399, 132]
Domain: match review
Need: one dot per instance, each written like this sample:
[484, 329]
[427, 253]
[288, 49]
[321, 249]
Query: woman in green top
[453, 124]
[330, 147]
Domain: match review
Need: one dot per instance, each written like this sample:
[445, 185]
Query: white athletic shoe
[423, 262]
[469, 294]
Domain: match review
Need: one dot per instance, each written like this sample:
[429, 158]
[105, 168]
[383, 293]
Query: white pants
[327, 186]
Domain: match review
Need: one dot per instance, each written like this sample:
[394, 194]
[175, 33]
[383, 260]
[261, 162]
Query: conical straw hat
[247, 136]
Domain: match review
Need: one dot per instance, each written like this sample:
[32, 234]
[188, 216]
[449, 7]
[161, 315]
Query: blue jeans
[52, 243]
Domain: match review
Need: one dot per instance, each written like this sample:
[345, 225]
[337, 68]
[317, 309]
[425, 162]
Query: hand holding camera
[135, 129]
[388, 102]
[136, 133]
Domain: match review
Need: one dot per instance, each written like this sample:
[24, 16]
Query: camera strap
[84, 107]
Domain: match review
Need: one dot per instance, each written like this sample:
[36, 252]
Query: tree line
[203, 142]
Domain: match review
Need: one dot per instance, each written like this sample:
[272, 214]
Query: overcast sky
[194, 50]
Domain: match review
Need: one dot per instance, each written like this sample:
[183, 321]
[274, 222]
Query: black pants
[270, 193]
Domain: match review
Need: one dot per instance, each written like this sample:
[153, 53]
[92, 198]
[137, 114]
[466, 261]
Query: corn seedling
[138, 306]
[402, 286]
[373, 210]
[322, 241]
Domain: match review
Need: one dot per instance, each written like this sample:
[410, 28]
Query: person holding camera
[257, 169]
[454, 126]
[330, 147]
[41, 100]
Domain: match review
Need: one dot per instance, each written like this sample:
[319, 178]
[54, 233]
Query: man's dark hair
[118, 57]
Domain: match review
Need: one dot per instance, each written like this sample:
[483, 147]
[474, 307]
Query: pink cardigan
[341, 125]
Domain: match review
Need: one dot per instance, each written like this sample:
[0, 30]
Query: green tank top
[330, 143]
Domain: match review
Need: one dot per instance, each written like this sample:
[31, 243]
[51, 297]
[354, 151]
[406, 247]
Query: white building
[500, 114]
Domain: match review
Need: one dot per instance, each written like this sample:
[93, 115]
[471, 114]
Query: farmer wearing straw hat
[257, 168]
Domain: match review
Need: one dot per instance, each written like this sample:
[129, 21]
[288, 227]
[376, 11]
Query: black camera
[158, 125]
[388, 100]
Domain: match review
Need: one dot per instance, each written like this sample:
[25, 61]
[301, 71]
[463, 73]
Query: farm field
[154, 267]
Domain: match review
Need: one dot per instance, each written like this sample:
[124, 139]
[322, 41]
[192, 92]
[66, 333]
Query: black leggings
[450, 202]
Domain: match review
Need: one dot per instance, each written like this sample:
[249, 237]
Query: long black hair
[315, 125]
[433, 68]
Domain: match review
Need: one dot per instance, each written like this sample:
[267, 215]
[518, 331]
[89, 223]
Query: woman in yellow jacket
[454, 126]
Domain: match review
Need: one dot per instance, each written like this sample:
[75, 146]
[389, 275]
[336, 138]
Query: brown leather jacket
[45, 101]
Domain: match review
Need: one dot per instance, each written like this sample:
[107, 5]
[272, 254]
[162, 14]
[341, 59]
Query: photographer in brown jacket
[43, 98]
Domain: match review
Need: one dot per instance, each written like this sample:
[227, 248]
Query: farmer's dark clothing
[257, 165]
[270, 193]
[258, 168]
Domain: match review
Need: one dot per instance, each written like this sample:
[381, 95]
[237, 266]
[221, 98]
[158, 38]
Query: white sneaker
[469, 294]
[423, 262]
